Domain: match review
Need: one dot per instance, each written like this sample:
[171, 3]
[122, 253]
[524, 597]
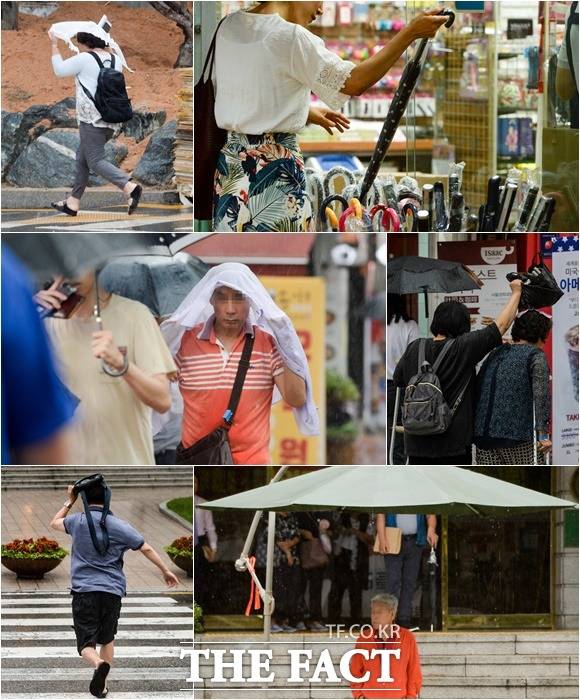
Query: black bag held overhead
[539, 287]
[214, 448]
[425, 410]
[208, 138]
[111, 97]
[80, 487]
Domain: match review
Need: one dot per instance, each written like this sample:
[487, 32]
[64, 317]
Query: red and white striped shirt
[206, 379]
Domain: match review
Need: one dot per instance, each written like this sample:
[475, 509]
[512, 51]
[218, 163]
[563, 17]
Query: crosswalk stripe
[127, 610]
[52, 622]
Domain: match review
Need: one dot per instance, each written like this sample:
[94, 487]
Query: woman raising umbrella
[94, 131]
[266, 65]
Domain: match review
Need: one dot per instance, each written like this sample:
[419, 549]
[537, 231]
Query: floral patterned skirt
[260, 185]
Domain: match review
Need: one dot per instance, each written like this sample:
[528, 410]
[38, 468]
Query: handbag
[209, 139]
[393, 538]
[312, 554]
[214, 448]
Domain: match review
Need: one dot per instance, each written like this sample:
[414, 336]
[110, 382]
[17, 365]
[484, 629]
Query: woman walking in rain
[88, 69]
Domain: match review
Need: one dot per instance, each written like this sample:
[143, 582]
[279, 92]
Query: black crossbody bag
[214, 448]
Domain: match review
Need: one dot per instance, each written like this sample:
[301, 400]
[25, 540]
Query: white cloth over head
[66, 31]
[196, 308]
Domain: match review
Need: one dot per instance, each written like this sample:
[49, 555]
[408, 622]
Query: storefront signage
[565, 351]
[491, 261]
[520, 28]
[303, 299]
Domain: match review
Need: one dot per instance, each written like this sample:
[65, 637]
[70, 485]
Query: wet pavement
[28, 512]
[149, 217]
[371, 448]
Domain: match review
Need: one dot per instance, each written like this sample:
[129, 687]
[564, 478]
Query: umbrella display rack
[364, 201]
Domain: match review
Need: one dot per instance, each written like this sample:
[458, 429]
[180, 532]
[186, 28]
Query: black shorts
[95, 617]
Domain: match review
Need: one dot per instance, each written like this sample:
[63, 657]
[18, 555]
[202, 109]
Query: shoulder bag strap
[101, 549]
[421, 356]
[459, 399]
[97, 59]
[442, 354]
[211, 53]
[239, 381]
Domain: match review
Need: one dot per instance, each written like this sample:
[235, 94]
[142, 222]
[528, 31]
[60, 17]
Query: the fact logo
[495, 255]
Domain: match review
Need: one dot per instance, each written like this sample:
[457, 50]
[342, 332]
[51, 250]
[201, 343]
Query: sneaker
[318, 627]
[276, 629]
[301, 627]
[288, 628]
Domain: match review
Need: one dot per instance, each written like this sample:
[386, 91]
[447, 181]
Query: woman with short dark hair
[93, 130]
[451, 322]
[513, 382]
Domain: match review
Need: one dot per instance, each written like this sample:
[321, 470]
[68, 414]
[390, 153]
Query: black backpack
[111, 97]
[425, 410]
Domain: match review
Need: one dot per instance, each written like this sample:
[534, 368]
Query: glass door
[496, 573]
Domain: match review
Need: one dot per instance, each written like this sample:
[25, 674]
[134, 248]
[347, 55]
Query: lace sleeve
[322, 71]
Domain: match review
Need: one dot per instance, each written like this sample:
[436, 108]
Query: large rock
[20, 128]
[143, 123]
[11, 122]
[156, 165]
[49, 161]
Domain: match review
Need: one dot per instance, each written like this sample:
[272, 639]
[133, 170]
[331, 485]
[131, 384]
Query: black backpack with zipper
[425, 410]
[111, 99]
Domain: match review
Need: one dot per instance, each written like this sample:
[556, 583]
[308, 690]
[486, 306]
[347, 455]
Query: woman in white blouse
[266, 65]
[94, 132]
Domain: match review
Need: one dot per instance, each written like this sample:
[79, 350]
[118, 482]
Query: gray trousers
[91, 156]
[402, 571]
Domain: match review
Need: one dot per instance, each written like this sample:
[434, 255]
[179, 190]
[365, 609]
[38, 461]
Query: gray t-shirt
[89, 570]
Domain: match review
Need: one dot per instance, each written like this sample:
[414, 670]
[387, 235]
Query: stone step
[430, 643]
[38, 624]
[66, 680]
[124, 637]
[444, 688]
[158, 656]
[127, 609]
[121, 482]
[515, 666]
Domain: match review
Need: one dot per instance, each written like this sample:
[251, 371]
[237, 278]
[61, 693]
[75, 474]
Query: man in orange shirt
[404, 666]
[208, 360]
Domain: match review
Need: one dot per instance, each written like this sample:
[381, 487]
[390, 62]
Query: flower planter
[30, 568]
[183, 562]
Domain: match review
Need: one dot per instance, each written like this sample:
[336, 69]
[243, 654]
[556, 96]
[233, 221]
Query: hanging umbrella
[411, 274]
[432, 564]
[396, 489]
[159, 282]
[401, 98]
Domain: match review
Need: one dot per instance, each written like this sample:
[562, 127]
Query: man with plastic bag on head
[227, 317]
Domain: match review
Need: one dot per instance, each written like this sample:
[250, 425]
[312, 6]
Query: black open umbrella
[411, 274]
[159, 282]
[68, 253]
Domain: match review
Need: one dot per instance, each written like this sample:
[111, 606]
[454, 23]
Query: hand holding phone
[59, 301]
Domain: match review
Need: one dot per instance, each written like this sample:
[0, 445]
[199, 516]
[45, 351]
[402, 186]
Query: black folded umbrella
[539, 287]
